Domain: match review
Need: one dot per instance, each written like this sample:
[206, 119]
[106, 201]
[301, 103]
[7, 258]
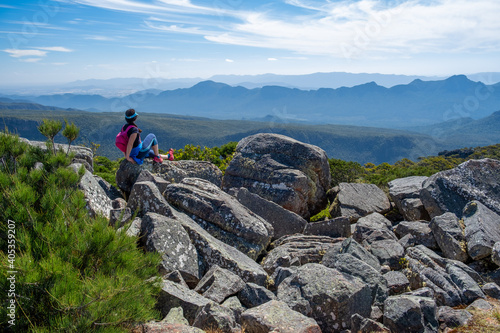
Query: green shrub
[74, 273]
[220, 156]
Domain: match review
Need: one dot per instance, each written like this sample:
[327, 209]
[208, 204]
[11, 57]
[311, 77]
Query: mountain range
[419, 103]
[350, 143]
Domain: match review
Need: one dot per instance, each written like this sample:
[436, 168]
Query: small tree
[70, 132]
[50, 128]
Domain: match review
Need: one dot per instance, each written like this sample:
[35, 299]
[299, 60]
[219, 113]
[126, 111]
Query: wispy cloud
[100, 38]
[229, 60]
[16, 53]
[342, 28]
[55, 48]
[30, 59]
[370, 28]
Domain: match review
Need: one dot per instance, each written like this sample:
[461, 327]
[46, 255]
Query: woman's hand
[131, 160]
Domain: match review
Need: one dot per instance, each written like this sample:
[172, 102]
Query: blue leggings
[146, 151]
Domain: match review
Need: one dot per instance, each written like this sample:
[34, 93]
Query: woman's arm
[130, 144]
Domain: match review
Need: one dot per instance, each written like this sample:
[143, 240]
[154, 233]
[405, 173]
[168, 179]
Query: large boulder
[169, 171]
[221, 215]
[276, 316]
[452, 282]
[176, 171]
[167, 237]
[410, 314]
[298, 250]
[452, 318]
[212, 251]
[449, 236]
[346, 263]
[284, 222]
[356, 200]
[173, 295]
[219, 283]
[337, 227]
[482, 229]
[253, 295]
[290, 173]
[418, 231]
[127, 175]
[98, 201]
[451, 190]
[373, 227]
[327, 295]
[216, 318]
[373, 233]
[350, 246]
[405, 193]
[145, 197]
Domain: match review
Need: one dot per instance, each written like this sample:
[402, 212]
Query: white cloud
[344, 28]
[100, 38]
[272, 59]
[16, 53]
[30, 59]
[368, 28]
[229, 60]
[55, 48]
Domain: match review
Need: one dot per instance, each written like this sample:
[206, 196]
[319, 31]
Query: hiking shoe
[158, 159]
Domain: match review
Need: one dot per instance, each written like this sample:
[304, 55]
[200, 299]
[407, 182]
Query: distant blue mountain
[415, 104]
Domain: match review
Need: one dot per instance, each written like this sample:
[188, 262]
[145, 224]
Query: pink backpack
[121, 140]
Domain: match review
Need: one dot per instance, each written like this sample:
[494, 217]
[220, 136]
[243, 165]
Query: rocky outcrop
[373, 231]
[346, 263]
[167, 237]
[176, 171]
[215, 317]
[173, 295]
[418, 232]
[145, 197]
[276, 316]
[220, 271]
[283, 221]
[410, 314]
[253, 295]
[290, 173]
[405, 193]
[482, 229]
[327, 295]
[218, 284]
[98, 201]
[168, 171]
[221, 215]
[452, 282]
[212, 251]
[83, 155]
[358, 200]
[298, 250]
[451, 190]
[449, 236]
[337, 227]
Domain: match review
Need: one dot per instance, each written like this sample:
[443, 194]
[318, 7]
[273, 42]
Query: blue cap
[132, 116]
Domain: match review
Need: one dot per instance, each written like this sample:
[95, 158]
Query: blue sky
[49, 41]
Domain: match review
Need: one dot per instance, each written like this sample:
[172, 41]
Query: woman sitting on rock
[137, 150]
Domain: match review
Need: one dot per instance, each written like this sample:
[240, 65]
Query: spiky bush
[74, 273]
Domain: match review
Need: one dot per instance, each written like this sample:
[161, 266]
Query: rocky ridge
[238, 250]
